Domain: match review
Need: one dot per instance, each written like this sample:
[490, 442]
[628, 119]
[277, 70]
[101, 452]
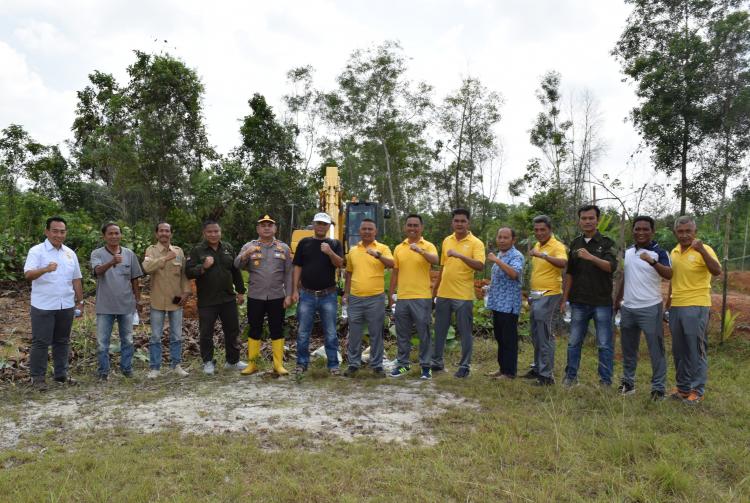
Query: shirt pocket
[123, 269]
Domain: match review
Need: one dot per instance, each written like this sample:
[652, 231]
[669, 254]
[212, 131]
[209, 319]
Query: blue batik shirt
[504, 294]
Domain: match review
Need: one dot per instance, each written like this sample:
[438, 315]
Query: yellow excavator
[346, 216]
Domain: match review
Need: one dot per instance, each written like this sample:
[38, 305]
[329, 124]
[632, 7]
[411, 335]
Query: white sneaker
[208, 368]
[240, 365]
[152, 374]
[179, 371]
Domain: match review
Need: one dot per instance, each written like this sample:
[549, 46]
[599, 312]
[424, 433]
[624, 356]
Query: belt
[319, 293]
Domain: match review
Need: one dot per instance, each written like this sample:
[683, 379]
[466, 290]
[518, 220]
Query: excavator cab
[357, 211]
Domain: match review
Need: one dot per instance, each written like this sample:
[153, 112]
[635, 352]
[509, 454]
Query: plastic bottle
[344, 312]
[77, 313]
[617, 319]
[666, 316]
[568, 313]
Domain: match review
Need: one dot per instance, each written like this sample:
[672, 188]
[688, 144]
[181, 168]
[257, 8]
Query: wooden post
[744, 245]
[726, 277]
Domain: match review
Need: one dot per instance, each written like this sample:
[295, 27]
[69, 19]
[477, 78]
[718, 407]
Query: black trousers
[505, 326]
[50, 327]
[257, 310]
[230, 324]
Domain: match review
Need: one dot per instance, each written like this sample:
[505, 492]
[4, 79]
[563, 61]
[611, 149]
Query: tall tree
[468, 116]
[146, 140]
[274, 179]
[377, 119]
[16, 148]
[303, 107]
[729, 104]
[549, 132]
[663, 49]
[167, 120]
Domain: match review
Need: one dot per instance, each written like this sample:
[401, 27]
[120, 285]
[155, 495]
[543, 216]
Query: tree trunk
[683, 170]
[390, 183]
[457, 201]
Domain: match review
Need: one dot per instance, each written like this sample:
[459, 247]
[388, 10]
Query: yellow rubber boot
[253, 351]
[278, 357]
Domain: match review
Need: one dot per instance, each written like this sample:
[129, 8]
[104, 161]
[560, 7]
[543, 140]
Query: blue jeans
[175, 337]
[104, 324]
[327, 307]
[581, 314]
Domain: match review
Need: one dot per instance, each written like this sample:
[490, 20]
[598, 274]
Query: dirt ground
[384, 413]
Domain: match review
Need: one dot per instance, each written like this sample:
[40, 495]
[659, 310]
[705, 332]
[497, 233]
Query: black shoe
[543, 381]
[626, 389]
[436, 368]
[103, 377]
[351, 371]
[531, 374]
[66, 380]
[128, 374]
[657, 396]
[461, 373]
[39, 384]
[379, 372]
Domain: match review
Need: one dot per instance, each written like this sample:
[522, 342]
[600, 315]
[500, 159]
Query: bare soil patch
[384, 413]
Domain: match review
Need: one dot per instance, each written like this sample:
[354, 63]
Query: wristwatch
[378, 254]
[544, 254]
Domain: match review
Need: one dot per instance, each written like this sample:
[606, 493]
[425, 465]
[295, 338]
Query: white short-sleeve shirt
[53, 290]
[642, 281]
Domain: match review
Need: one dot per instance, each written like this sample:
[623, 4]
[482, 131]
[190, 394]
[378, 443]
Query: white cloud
[28, 101]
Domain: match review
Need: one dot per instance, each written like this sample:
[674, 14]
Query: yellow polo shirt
[368, 273]
[545, 276]
[691, 279]
[457, 279]
[413, 270]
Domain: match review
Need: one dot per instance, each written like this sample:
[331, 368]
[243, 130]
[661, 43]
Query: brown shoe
[693, 397]
[495, 375]
[676, 394]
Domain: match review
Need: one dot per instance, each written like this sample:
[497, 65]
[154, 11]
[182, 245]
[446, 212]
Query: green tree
[273, 178]
[729, 105]
[144, 141]
[664, 50]
[468, 116]
[164, 97]
[16, 149]
[377, 120]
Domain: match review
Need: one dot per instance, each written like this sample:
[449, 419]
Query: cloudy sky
[48, 47]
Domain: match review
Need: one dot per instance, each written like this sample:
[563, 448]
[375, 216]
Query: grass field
[521, 443]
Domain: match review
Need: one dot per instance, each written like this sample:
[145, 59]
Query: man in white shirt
[56, 290]
[639, 300]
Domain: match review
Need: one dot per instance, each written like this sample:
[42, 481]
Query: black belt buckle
[320, 293]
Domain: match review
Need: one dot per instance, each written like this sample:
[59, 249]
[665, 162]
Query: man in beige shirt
[170, 289]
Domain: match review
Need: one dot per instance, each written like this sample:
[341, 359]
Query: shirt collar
[374, 243]
[208, 246]
[407, 243]
[652, 246]
[468, 235]
[162, 247]
[273, 243]
[552, 240]
[48, 246]
[596, 237]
